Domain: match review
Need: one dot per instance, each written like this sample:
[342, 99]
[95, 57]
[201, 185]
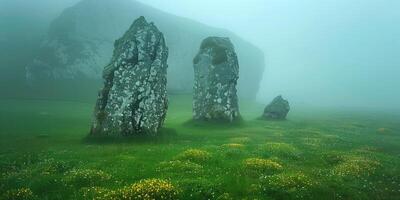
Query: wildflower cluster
[277, 148]
[287, 186]
[194, 155]
[19, 194]
[179, 167]
[356, 167]
[150, 189]
[258, 165]
[85, 177]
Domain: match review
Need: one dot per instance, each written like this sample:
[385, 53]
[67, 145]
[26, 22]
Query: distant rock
[134, 98]
[81, 39]
[216, 71]
[277, 109]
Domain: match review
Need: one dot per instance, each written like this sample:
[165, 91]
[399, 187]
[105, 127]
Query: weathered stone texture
[277, 109]
[216, 72]
[134, 98]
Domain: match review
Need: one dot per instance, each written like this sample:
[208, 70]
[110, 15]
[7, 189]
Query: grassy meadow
[316, 154]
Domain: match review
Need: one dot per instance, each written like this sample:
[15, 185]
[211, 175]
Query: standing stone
[216, 72]
[277, 109]
[134, 98]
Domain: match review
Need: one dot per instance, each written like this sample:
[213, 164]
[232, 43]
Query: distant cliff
[80, 43]
[23, 25]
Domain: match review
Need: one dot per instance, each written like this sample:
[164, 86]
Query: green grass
[324, 154]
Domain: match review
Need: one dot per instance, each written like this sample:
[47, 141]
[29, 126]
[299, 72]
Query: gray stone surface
[134, 98]
[216, 72]
[277, 109]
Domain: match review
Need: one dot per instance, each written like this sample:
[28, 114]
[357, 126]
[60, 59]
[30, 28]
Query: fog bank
[322, 53]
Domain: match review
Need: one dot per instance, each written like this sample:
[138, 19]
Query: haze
[322, 53]
[319, 53]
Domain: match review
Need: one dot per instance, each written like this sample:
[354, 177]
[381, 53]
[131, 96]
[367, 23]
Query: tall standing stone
[134, 98]
[216, 72]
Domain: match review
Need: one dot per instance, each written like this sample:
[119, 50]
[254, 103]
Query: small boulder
[216, 71]
[134, 98]
[277, 109]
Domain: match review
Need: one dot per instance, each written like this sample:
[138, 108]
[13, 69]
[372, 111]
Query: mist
[318, 53]
[23, 25]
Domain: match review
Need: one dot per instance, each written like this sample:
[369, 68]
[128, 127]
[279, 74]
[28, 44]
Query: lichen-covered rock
[216, 72]
[134, 98]
[277, 109]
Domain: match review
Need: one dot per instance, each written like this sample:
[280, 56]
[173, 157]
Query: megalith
[134, 100]
[216, 72]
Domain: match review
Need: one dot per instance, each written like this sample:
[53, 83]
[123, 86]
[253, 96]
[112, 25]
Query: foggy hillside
[23, 25]
[80, 44]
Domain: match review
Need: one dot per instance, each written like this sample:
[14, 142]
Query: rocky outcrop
[81, 40]
[134, 98]
[216, 72]
[277, 109]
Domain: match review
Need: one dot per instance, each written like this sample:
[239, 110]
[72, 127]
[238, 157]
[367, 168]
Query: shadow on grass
[165, 135]
[222, 124]
[271, 119]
